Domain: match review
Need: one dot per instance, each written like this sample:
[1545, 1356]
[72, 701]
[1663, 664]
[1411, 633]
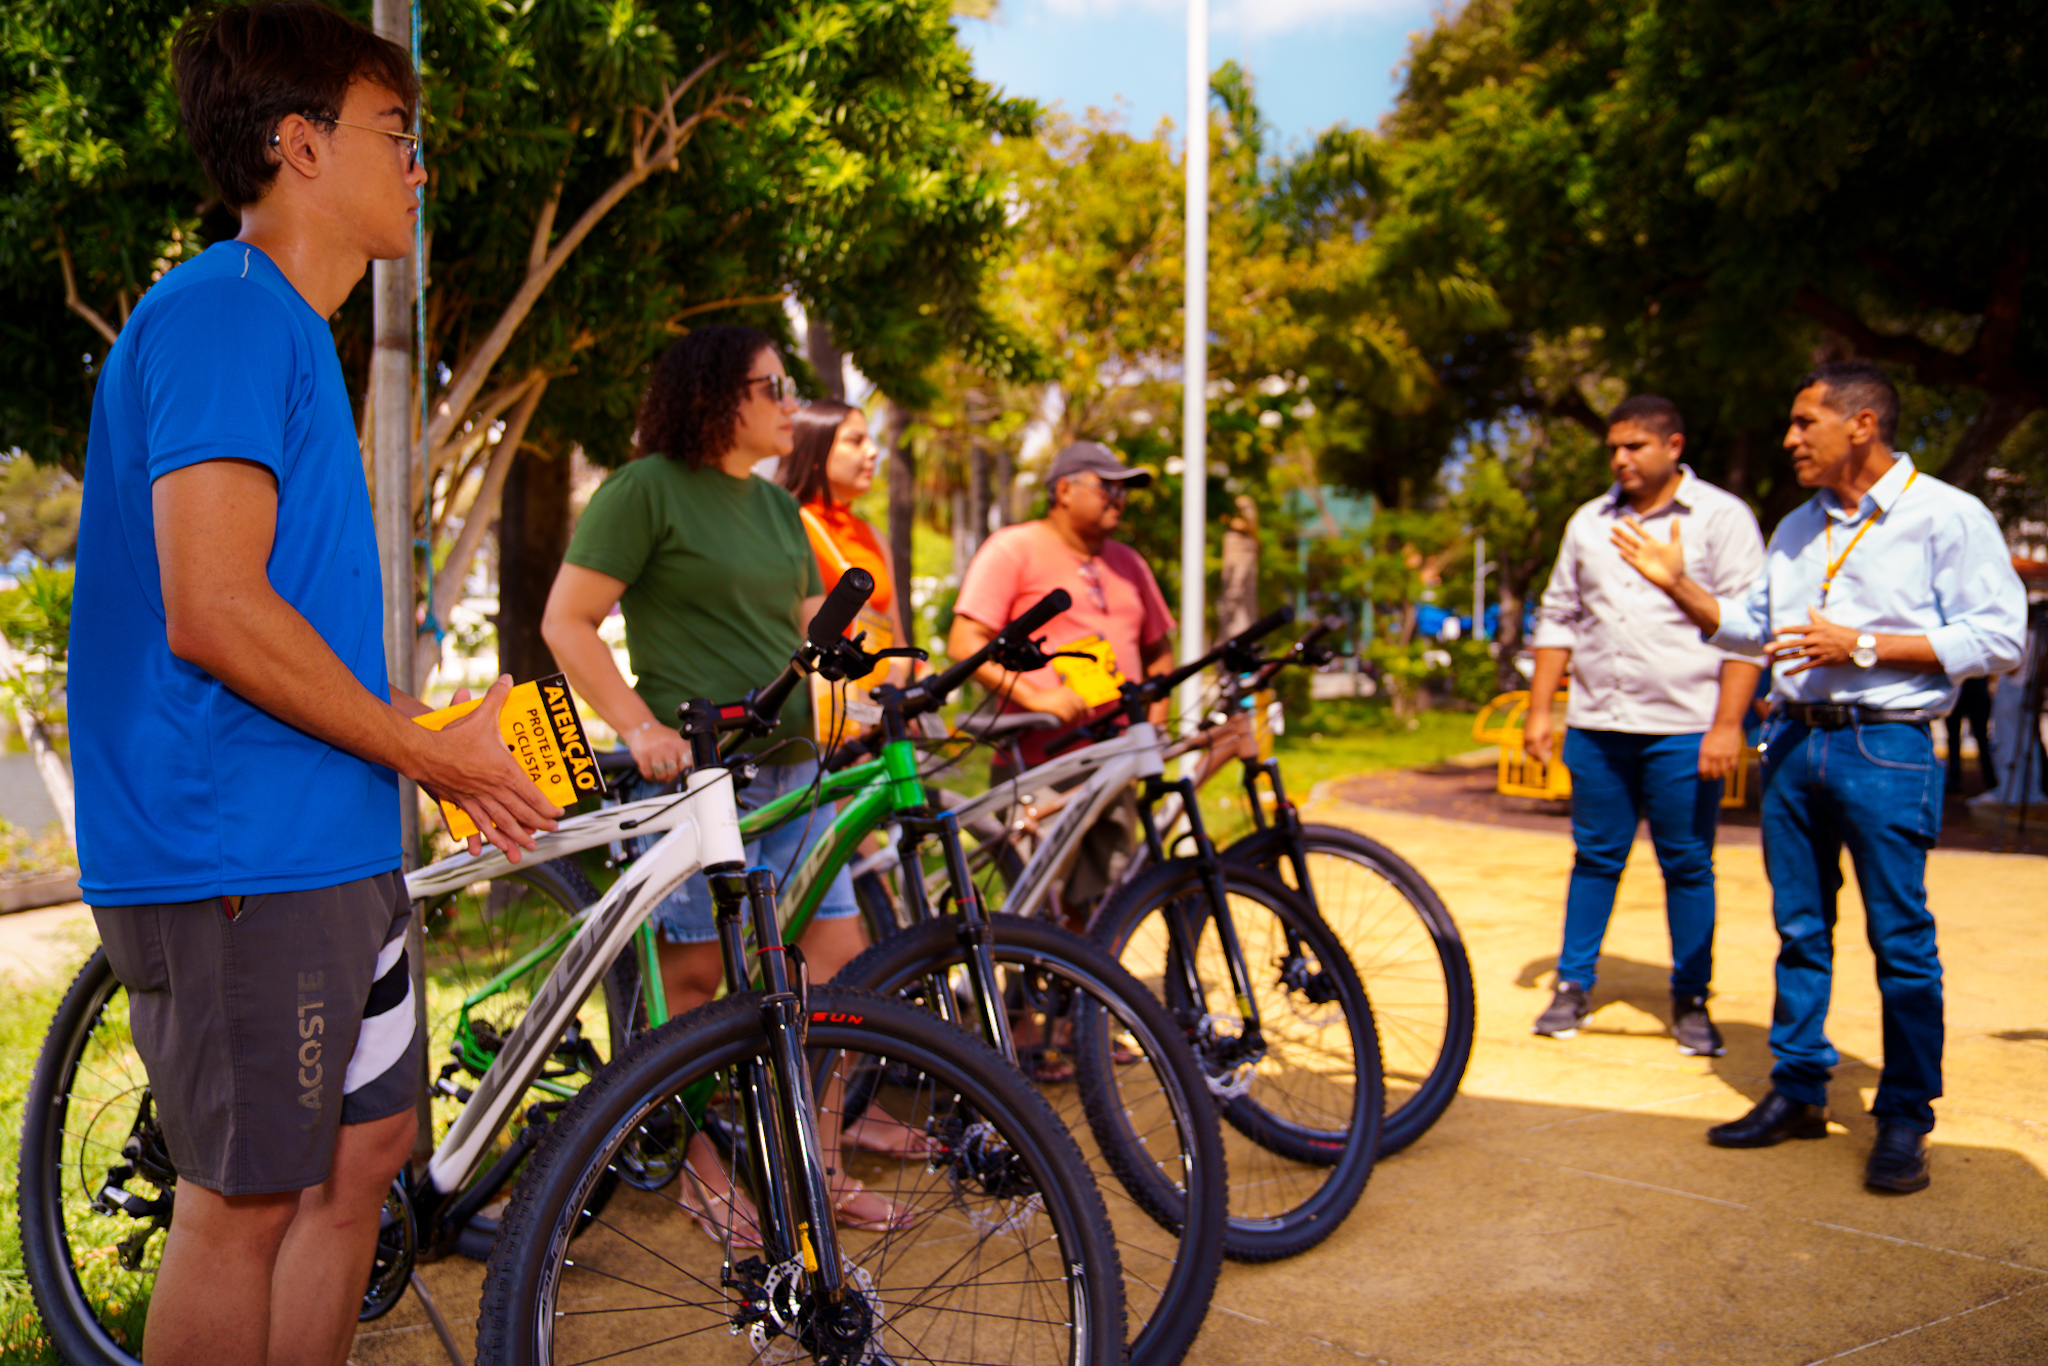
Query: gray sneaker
[1695, 1033]
[1568, 1010]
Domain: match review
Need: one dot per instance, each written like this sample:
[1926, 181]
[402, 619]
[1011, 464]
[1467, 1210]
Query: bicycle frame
[701, 828]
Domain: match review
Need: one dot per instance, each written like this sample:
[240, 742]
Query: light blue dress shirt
[1933, 564]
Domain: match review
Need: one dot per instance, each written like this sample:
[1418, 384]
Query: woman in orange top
[831, 464]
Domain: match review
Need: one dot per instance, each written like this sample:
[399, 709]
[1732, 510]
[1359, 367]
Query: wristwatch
[1865, 653]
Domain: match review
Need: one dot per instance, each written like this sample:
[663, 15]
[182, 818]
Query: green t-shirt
[715, 570]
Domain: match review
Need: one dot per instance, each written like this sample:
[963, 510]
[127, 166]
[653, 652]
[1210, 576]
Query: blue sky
[1314, 62]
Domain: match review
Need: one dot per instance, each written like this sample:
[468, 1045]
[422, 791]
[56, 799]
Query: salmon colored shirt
[1115, 597]
[848, 542]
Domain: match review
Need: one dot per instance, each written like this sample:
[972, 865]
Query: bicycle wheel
[96, 1181]
[1408, 953]
[1305, 1100]
[1135, 1102]
[1009, 1258]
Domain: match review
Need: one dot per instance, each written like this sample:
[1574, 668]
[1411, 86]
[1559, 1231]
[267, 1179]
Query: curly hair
[692, 404]
[802, 472]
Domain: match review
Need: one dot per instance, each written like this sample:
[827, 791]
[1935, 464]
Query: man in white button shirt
[1654, 723]
[1879, 596]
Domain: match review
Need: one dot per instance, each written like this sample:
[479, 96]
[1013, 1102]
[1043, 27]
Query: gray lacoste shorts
[267, 1022]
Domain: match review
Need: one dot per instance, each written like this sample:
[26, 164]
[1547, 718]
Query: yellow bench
[1518, 775]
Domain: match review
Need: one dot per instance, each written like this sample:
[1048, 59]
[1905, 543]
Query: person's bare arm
[1539, 736]
[1721, 746]
[1157, 657]
[1663, 564]
[215, 524]
[969, 635]
[578, 603]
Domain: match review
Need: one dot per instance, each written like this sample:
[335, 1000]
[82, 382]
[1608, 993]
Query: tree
[601, 179]
[1712, 194]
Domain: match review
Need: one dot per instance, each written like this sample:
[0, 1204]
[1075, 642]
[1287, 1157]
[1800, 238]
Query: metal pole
[1194, 444]
[391, 457]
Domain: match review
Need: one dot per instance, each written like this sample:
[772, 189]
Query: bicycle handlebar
[840, 607]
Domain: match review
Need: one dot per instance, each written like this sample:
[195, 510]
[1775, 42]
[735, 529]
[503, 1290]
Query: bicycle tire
[1308, 1134]
[1409, 954]
[1169, 1231]
[1035, 1207]
[92, 1306]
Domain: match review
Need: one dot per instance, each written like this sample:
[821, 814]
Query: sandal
[850, 1192]
[896, 1139]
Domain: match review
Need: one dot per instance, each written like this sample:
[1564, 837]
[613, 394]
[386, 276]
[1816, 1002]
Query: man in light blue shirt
[1879, 596]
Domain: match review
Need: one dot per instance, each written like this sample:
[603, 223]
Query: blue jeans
[1877, 790]
[1618, 778]
[686, 915]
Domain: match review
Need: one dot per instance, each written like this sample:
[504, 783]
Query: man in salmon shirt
[1115, 599]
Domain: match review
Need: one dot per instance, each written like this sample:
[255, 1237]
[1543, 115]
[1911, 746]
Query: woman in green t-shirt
[715, 577]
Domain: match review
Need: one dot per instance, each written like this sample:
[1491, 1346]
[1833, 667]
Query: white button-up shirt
[1638, 664]
[1933, 564]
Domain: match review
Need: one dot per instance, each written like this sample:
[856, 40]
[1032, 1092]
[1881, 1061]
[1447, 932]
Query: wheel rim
[979, 1276]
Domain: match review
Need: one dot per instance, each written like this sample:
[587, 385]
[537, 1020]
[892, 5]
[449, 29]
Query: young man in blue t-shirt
[235, 740]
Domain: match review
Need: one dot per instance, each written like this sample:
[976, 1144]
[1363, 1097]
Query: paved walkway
[1568, 1209]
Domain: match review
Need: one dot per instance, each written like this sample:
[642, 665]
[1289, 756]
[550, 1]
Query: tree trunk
[902, 509]
[1735, 475]
[826, 358]
[977, 498]
[533, 534]
[1515, 578]
[1979, 446]
[962, 550]
[1005, 484]
[1237, 604]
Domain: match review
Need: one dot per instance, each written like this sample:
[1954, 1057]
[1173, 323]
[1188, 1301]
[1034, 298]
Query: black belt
[1835, 715]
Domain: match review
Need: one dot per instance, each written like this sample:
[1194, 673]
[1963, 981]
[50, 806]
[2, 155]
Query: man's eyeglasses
[781, 388]
[411, 140]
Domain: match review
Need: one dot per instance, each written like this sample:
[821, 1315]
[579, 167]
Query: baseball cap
[1092, 457]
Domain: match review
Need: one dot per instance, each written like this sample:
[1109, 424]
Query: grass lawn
[25, 1011]
[1335, 739]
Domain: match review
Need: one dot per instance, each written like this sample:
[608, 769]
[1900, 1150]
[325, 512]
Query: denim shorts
[685, 917]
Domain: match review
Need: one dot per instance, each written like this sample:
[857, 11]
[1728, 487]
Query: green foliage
[23, 853]
[25, 1012]
[35, 616]
[38, 510]
[1711, 192]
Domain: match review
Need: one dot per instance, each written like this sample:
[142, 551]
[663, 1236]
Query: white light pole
[1194, 418]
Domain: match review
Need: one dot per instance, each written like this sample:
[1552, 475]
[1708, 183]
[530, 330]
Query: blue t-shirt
[186, 791]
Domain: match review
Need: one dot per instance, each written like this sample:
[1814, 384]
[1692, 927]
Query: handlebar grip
[841, 606]
[1327, 626]
[1046, 608]
[1266, 625]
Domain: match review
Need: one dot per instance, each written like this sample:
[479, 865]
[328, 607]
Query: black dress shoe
[1898, 1160]
[1775, 1119]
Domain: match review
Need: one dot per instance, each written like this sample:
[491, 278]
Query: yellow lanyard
[1835, 565]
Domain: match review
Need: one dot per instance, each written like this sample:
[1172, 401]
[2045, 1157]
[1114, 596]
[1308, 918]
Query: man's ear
[295, 146]
[1676, 441]
[1862, 426]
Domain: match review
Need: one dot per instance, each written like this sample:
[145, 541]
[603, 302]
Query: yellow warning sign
[1096, 678]
[542, 730]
